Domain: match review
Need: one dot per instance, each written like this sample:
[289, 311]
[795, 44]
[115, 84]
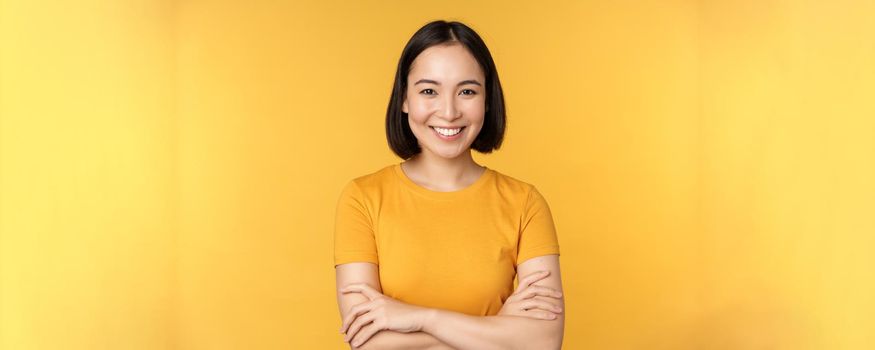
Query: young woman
[426, 250]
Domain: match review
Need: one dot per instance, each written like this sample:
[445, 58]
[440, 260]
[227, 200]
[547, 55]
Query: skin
[435, 98]
[446, 88]
[526, 320]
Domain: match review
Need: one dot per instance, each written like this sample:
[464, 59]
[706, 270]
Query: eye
[427, 90]
[472, 92]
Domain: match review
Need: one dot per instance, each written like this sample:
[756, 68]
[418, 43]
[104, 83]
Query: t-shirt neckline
[484, 177]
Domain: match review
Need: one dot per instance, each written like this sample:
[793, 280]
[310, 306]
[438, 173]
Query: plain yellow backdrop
[169, 169]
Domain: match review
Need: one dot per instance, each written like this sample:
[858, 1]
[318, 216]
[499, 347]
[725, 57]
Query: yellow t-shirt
[450, 250]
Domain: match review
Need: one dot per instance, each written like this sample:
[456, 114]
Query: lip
[448, 138]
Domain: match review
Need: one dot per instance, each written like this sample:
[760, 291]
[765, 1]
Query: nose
[448, 111]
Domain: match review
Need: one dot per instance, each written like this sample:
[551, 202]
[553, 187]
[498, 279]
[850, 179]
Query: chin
[445, 156]
[448, 155]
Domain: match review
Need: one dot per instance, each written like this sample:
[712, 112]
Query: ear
[404, 106]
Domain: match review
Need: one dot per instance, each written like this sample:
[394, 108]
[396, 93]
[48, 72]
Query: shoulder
[522, 192]
[513, 185]
[370, 183]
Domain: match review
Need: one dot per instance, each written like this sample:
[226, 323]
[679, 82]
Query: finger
[528, 280]
[540, 304]
[363, 288]
[532, 291]
[541, 315]
[354, 312]
[365, 334]
[358, 286]
[350, 316]
[532, 278]
[359, 322]
[356, 326]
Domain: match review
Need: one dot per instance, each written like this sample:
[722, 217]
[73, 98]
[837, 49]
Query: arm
[387, 339]
[463, 331]
[363, 272]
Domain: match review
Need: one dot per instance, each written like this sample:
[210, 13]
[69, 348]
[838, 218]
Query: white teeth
[447, 132]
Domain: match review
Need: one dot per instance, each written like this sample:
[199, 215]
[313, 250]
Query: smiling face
[445, 100]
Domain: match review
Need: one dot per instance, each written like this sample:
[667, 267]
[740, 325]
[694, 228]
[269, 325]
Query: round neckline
[486, 175]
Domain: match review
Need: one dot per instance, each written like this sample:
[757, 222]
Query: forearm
[390, 340]
[464, 332]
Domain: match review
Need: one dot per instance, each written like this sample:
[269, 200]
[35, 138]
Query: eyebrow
[463, 82]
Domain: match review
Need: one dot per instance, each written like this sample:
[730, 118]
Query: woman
[426, 250]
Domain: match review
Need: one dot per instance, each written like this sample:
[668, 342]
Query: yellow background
[169, 169]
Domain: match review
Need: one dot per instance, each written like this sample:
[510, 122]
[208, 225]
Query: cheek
[421, 107]
[417, 114]
[475, 110]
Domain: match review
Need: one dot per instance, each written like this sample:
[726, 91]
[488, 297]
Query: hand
[523, 303]
[364, 320]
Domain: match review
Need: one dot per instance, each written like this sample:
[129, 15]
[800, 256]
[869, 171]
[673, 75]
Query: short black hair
[398, 133]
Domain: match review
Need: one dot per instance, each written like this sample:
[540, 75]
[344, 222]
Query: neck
[444, 173]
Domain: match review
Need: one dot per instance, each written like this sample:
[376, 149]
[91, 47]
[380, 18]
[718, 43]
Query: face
[445, 100]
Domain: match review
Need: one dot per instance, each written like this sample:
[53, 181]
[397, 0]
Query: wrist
[428, 319]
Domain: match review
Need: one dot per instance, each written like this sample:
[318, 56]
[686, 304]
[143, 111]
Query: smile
[447, 134]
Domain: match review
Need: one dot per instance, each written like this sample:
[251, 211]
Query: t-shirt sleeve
[353, 229]
[537, 231]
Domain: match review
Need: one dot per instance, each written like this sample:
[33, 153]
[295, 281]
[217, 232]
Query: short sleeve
[353, 229]
[537, 231]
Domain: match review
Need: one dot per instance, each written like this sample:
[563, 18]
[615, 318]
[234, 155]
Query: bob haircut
[398, 133]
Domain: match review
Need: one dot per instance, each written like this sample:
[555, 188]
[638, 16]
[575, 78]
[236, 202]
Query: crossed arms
[374, 321]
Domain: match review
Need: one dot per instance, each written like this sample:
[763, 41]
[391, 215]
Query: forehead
[446, 62]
